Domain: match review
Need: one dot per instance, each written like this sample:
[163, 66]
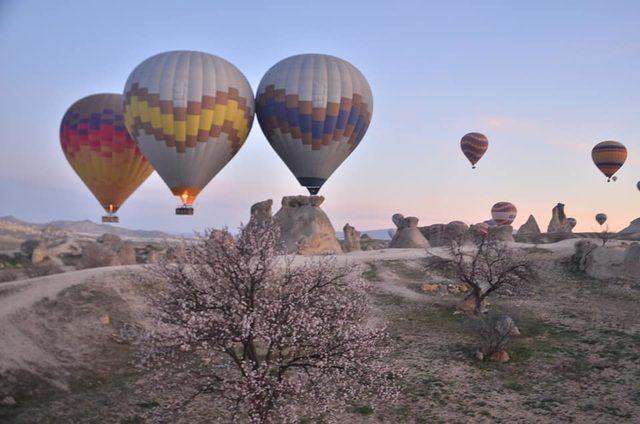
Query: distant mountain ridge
[84, 227]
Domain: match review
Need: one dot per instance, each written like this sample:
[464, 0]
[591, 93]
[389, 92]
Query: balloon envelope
[504, 213]
[572, 222]
[189, 112]
[609, 156]
[314, 110]
[474, 145]
[601, 218]
[96, 143]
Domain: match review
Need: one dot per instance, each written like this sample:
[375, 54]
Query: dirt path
[25, 293]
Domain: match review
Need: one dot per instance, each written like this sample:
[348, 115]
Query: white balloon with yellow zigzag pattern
[189, 112]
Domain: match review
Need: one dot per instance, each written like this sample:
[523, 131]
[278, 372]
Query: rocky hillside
[12, 224]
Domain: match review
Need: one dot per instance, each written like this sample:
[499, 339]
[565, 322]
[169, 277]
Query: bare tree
[486, 266]
[605, 235]
[268, 340]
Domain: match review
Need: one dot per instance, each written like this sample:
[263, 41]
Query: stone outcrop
[605, 262]
[126, 254]
[501, 233]
[35, 250]
[407, 235]
[351, 239]
[305, 228]
[261, 211]
[444, 234]
[108, 250]
[530, 227]
[559, 222]
[633, 228]
[631, 263]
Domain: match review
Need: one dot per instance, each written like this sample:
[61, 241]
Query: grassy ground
[577, 359]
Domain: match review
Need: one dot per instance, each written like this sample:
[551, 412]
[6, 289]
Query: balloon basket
[110, 219]
[184, 210]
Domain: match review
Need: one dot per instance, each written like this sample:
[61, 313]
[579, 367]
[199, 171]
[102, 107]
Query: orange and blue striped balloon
[609, 156]
[474, 145]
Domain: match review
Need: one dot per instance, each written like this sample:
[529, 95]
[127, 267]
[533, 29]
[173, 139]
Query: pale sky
[545, 81]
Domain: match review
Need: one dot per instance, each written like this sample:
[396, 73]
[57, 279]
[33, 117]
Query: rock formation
[408, 235]
[108, 250]
[530, 227]
[559, 222]
[605, 262]
[35, 250]
[305, 228]
[261, 211]
[633, 228]
[351, 239]
[631, 263]
[501, 233]
[444, 234]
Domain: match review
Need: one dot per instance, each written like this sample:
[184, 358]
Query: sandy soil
[577, 360]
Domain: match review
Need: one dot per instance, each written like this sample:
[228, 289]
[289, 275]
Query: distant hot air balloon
[609, 156]
[96, 143]
[572, 222]
[314, 110]
[189, 112]
[503, 213]
[601, 218]
[481, 228]
[474, 145]
[638, 185]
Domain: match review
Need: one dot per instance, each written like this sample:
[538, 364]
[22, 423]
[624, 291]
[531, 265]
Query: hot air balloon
[314, 110]
[474, 145]
[609, 156]
[503, 213]
[481, 228]
[96, 143]
[572, 222]
[189, 112]
[638, 185]
[601, 218]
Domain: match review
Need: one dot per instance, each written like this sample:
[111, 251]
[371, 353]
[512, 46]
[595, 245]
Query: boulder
[8, 401]
[500, 356]
[559, 222]
[444, 234]
[110, 240]
[605, 262]
[126, 254]
[582, 249]
[261, 211]
[530, 227]
[351, 239]
[408, 235]
[35, 250]
[631, 263]
[397, 219]
[501, 233]
[96, 255]
[305, 228]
